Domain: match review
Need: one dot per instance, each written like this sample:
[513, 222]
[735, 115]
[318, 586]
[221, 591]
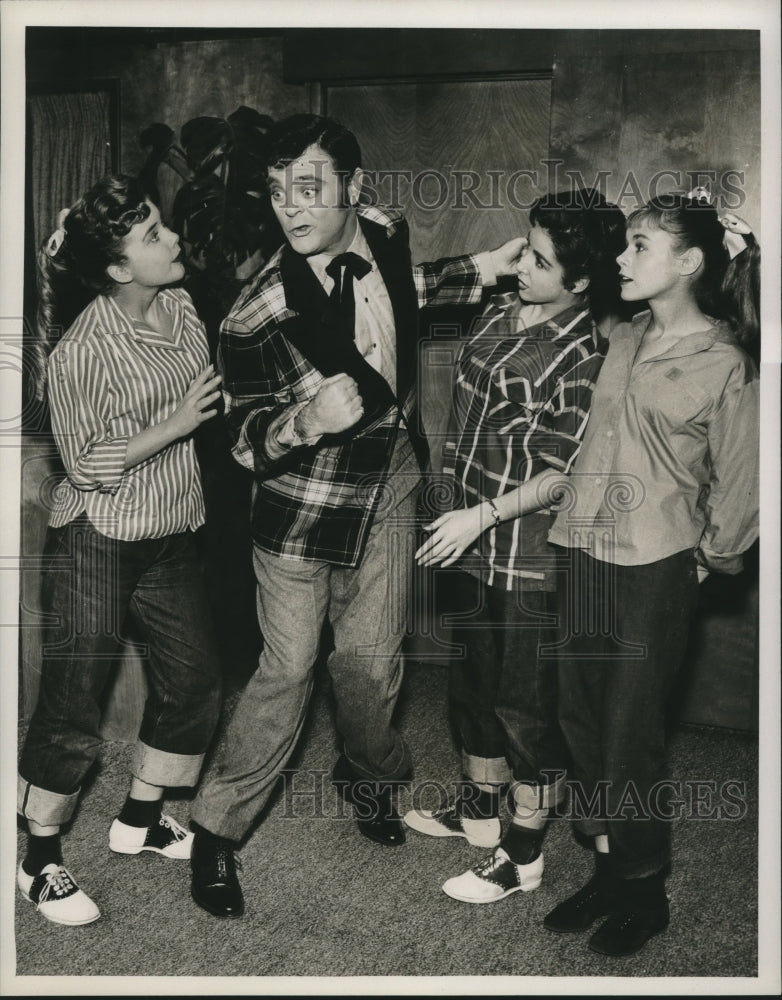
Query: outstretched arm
[461, 280]
[453, 533]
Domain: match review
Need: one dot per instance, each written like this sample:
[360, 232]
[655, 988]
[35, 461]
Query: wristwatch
[494, 513]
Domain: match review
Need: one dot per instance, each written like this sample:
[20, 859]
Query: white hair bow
[54, 242]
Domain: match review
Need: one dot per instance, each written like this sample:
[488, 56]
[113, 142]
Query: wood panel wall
[443, 137]
[654, 122]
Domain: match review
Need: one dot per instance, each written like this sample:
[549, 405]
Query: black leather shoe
[581, 910]
[214, 884]
[374, 812]
[626, 933]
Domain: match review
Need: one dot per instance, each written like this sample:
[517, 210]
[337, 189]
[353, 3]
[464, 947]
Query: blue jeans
[367, 606]
[90, 584]
[624, 636]
[502, 696]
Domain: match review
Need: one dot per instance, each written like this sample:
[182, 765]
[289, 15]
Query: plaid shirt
[279, 343]
[521, 402]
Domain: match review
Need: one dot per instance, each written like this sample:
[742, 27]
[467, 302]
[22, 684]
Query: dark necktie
[342, 269]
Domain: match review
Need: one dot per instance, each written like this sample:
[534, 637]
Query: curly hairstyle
[587, 233]
[72, 273]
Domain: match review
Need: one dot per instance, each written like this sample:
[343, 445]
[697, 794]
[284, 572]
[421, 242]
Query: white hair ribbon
[54, 242]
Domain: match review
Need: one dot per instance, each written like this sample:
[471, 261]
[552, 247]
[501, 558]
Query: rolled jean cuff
[637, 867]
[44, 807]
[485, 770]
[398, 774]
[529, 797]
[166, 770]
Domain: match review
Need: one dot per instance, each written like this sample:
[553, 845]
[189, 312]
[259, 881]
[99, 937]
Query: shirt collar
[320, 261]
[693, 343]
[122, 323]
[575, 321]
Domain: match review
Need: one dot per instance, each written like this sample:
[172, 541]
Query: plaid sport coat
[278, 344]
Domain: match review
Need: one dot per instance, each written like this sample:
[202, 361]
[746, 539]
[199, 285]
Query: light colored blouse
[109, 379]
[669, 460]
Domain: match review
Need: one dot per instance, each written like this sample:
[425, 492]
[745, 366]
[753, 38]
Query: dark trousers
[91, 582]
[625, 634]
[502, 696]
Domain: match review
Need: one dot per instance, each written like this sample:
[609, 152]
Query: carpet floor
[324, 901]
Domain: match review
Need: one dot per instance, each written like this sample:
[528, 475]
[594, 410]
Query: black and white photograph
[390, 498]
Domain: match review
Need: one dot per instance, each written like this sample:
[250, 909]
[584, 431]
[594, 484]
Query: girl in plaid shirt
[522, 392]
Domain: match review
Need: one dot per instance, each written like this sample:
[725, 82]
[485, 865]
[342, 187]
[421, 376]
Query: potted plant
[215, 201]
[219, 211]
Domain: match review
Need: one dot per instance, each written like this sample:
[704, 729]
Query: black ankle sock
[139, 812]
[41, 851]
[603, 870]
[521, 844]
[478, 803]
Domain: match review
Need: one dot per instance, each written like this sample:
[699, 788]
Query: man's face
[308, 202]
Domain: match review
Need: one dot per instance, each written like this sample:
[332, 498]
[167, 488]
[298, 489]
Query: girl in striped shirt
[128, 384]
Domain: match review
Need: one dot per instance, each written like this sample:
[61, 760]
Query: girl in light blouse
[128, 384]
[664, 491]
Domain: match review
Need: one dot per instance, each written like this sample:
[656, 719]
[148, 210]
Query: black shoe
[582, 909]
[374, 812]
[626, 933]
[214, 884]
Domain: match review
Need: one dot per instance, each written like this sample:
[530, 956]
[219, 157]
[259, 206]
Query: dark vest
[314, 331]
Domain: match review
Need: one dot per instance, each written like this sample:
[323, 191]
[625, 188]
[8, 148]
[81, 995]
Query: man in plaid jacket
[319, 365]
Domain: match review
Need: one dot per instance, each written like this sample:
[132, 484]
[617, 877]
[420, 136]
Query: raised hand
[452, 534]
[194, 408]
[507, 256]
[335, 407]
[734, 224]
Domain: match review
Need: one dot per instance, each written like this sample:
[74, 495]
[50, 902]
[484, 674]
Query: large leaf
[206, 141]
[248, 151]
[157, 138]
[218, 210]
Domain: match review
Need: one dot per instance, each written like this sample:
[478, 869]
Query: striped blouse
[109, 380]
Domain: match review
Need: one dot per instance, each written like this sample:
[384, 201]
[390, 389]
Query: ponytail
[60, 300]
[741, 296]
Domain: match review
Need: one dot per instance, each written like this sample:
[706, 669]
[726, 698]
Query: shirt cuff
[730, 563]
[102, 466]
[281, 435]
[485, 263]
